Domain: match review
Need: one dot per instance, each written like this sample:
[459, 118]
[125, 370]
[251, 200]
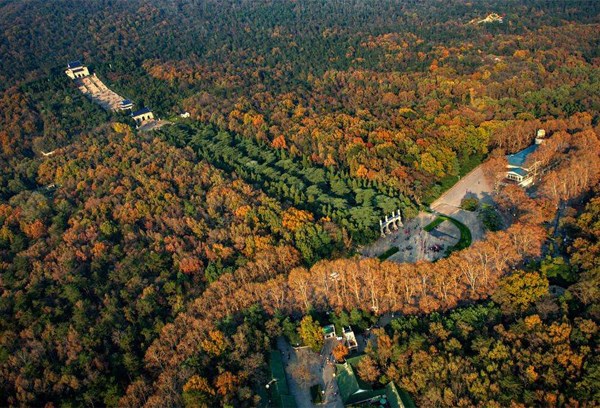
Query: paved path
[153, 124]
[468, 218]
[414, 243]
[95, 89]
[290, 356]
[331, 398]
[475, 185]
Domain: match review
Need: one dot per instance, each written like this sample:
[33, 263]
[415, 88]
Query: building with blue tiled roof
[520, 168]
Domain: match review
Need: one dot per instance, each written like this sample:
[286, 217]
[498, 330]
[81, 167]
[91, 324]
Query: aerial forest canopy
[398, 92]
[158, 268]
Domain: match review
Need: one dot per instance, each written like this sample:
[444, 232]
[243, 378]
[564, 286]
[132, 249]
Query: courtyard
[305, 367]
[432, 235]
[415, 241]
[99, 93]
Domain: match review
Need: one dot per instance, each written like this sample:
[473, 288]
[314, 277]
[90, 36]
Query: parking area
[415, 244]
[474, 184]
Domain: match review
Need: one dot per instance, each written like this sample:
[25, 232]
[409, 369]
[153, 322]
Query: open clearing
[414, 243]
[429, 236]
[473, 185]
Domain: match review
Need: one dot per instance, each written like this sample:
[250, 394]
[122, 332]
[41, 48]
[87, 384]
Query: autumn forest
[160, 268]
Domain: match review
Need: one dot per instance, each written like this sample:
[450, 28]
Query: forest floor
[415, 243]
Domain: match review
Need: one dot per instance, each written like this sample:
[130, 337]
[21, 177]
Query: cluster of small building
[348, 338]
[519, 169]
[490, 18]
[352, 390]
[100, 93]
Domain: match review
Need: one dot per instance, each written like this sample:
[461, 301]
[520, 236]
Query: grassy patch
[429, 227]
[469, 204]
[465, 233]
[391, 251]
[465, 236]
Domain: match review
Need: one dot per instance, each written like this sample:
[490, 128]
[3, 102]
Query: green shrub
[316, 394]
[391, 251]
[469, 204]
[490, 218]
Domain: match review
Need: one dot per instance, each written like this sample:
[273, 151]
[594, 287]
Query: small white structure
[125, 104]
[490, 18]
[540, 136]
[394, 221]
[76, 70]
[142, 116]
[350, 338]
[184, 115]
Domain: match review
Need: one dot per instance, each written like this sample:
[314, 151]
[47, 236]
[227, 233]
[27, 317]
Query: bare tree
[300, 370]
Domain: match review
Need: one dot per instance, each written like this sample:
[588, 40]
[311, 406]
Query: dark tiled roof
[74, 64]
[141, 111]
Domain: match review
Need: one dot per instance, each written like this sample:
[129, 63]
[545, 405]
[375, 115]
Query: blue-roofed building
[520, 168]
[141, 112]
[143, 115]
[75, 69]
[518, 159]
